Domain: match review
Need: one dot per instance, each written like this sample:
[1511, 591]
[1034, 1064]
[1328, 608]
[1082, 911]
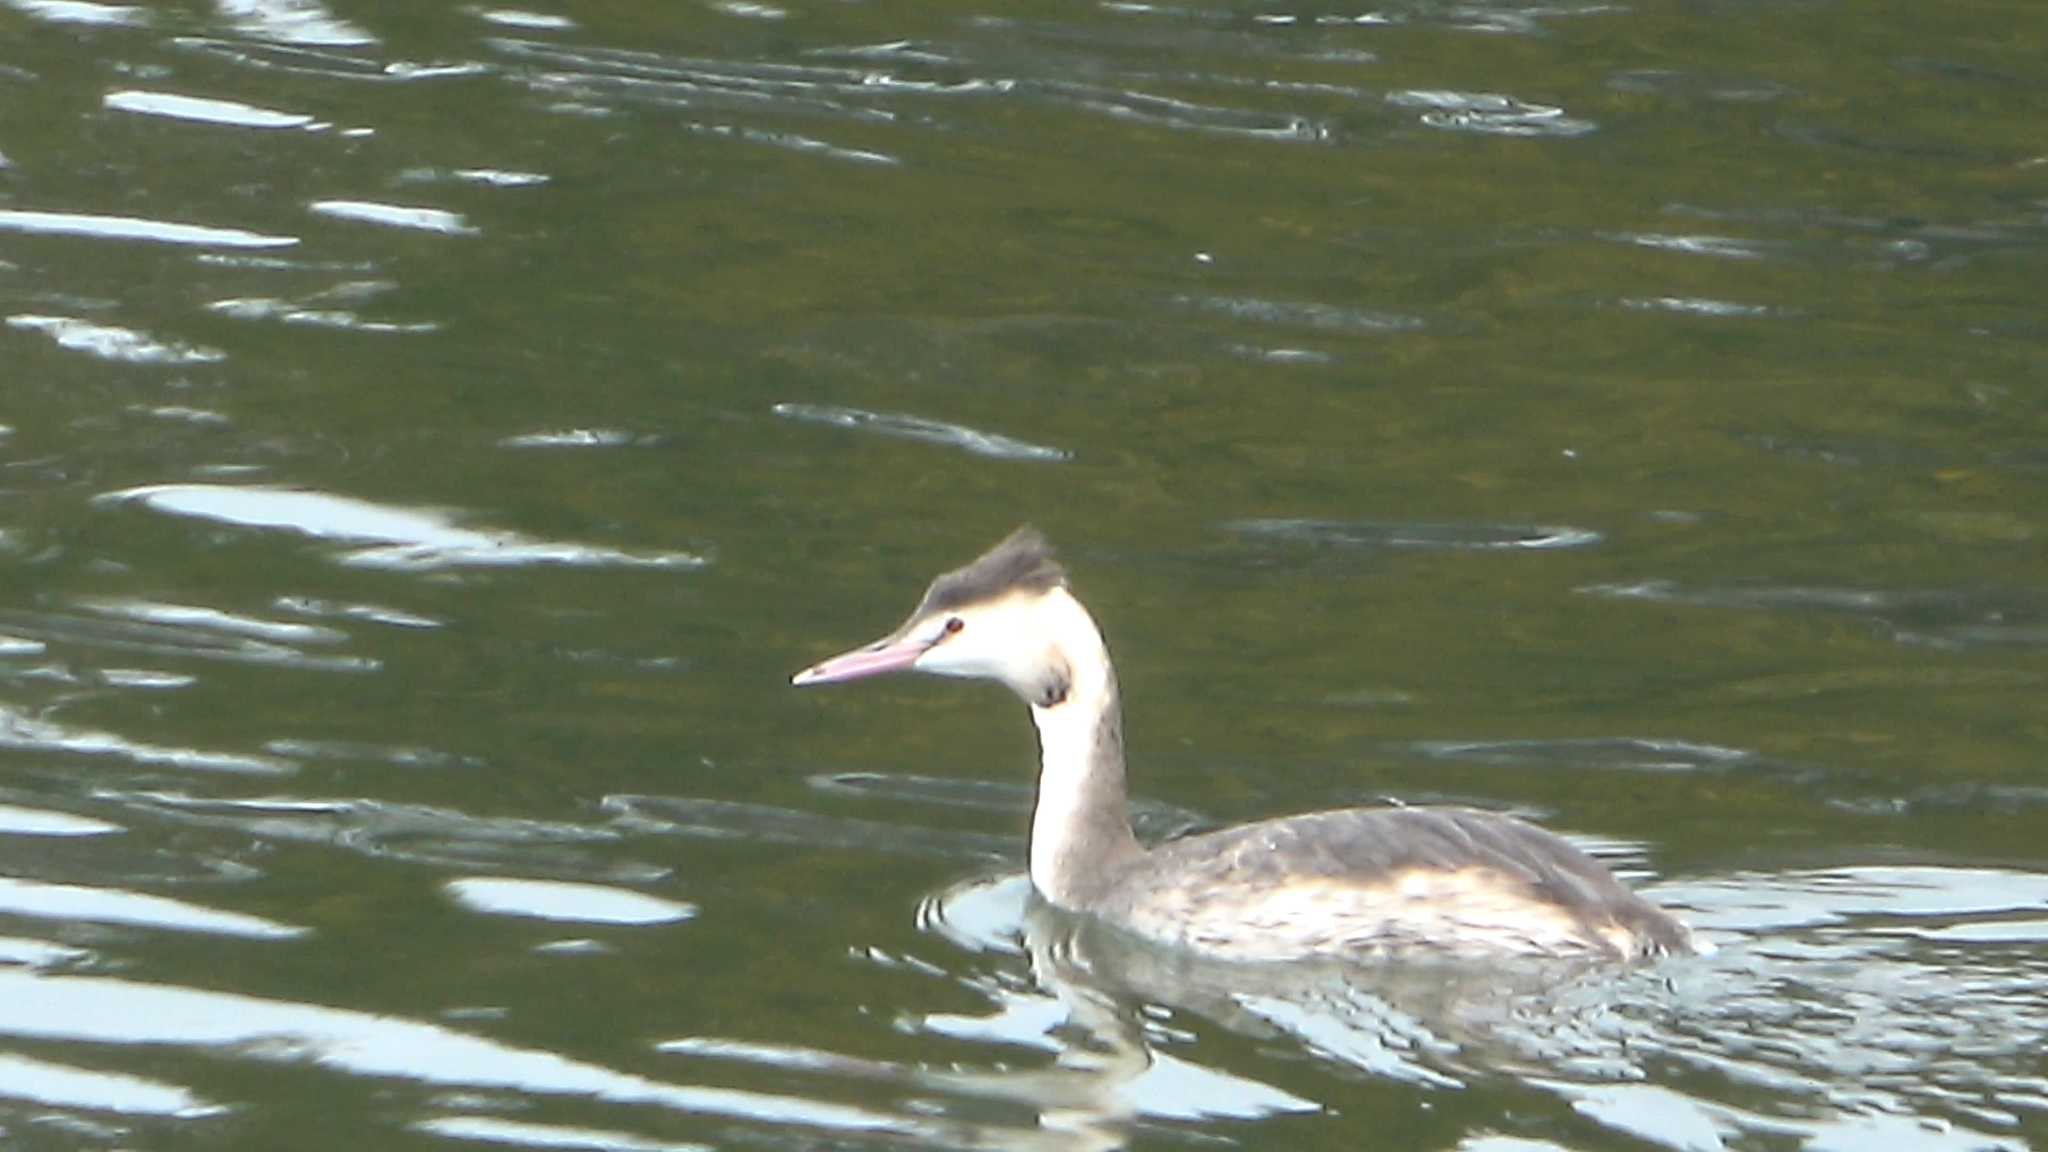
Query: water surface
[435, 432]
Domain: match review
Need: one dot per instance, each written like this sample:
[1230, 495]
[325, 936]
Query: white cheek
[987, 652]
[943, 666]
[954, 658]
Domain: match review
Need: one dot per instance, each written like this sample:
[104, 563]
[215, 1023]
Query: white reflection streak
[903, 426]
[18, 731]
[113, 906]
[203, 110]
[109, 342]
[394, 216]
[408, 538]
[214, 620]
[494, 1130]
[305, 22]
[105, 1010]
[59, 1086]
[18, 821]
[1727, 247]
[79, 12]
[285, 311]
[134, 228]
[564, 900]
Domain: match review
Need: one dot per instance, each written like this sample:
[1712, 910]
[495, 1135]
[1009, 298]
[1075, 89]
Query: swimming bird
[1353, 882]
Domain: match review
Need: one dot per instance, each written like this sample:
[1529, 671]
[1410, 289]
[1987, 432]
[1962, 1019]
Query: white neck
[1080, 829]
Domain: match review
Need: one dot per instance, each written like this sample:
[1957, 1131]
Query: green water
[1628, 416]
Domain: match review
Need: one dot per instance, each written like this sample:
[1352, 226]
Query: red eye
[954, 624]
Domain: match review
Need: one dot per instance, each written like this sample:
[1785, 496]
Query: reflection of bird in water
[1431, 1022]
[1352, 883]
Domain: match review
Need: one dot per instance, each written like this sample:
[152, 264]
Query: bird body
[1360, 882]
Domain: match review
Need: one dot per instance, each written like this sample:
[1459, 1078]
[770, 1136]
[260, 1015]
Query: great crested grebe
[1356, 881]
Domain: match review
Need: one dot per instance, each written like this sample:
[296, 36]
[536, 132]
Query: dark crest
[1023, 562]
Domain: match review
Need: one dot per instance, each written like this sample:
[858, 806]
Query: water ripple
[1170, 112]
[406, 539]
[1916, 987]
[1489, 113]
[1724, 247]
[1874, 895]
[81, 12]
[560, 900]
[279, 263]
[374, 613]
[26, 732]
[1690, 85]
[1950, 618]
[1153, 819]
[1874, 241]
[1509, 16]
[1416, 536]
[62, 1086]
[394, 216]
[313, 61]
[288, 312]
[794, 143]
[1326, 317]
[906, 427]
[1699, 306]
[184, 414]
[396, 755]
[92, 905]
[107, 342]
[185, 631]
[979, 795]
[1627, 753]
[571, 438]
[1854, 453]
[1064, 48]
[134, 228]
[306, 22]
[520, 18]
[419, 833]
[585, 79]
[590, 75]
[679, 81]
[213, 620]
[148, 679]
[761, 824]
[1280, 355]
[751, 11]
[528, 1134]
[1972, 797]
[733, 83]
[15, 821]
[110, 1011]
[1925, 151]
[1166, 1088]
[483, 177]
[202, 110]
[895, 51]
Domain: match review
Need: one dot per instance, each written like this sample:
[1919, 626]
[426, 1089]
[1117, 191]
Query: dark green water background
[1629, 414]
